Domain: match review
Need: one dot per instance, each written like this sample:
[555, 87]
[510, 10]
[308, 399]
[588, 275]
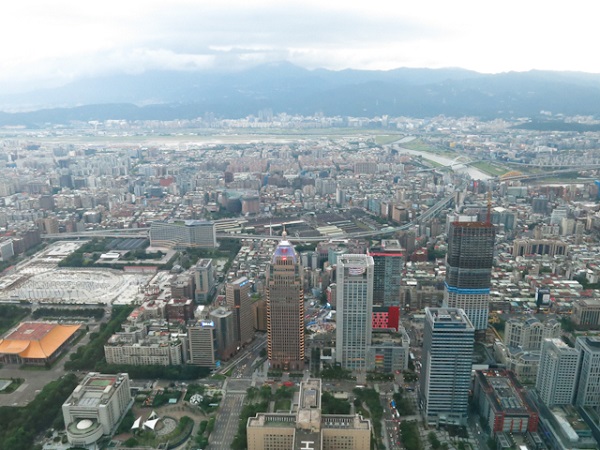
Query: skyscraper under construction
[469, 269]
[285, 309]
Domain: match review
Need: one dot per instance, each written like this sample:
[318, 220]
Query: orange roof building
[36, 343]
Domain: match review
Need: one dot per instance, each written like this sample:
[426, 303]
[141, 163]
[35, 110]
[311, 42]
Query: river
[473, 172]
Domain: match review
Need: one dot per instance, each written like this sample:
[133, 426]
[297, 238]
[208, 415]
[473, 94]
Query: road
[226, 425]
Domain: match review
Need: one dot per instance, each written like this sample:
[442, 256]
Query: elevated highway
[144, 232]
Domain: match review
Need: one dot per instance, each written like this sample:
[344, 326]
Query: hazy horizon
[52, 44]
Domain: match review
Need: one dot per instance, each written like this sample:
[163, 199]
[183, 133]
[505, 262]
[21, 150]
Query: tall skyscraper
[285, 309]
[448, 340]
[469, 269]
[588, 390]
[238, 299]
[354, 305]
[557, 372]
[387, 274]
[204, 280]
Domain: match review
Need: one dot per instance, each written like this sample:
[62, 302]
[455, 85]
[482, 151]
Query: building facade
[204, 280]
[202, 343]
[588, 389]
[448, 340]
[183, 234]
[557, 374]
[528, 332]
[237, 295]
[141, 349]
[389, 350]
[96, 407]
[388, 261]
[469, 269]
[285, 309]
[586, 311]
[308, 428]
[354, 311]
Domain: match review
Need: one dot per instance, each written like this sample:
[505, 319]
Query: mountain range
[285, 88]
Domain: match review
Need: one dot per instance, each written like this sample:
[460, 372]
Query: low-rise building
[502, 403]
[308, 428]
[96, 407]
[142, 349]
[389, 350]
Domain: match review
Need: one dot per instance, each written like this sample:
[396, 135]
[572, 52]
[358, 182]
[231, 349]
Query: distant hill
[283, 87]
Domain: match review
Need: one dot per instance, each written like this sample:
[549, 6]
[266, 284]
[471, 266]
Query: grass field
[491, 168]
[419, 145]
[385, 139]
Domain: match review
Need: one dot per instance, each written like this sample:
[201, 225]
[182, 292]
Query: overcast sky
[52, 42]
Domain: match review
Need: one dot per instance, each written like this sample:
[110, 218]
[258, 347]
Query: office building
[96, 407]
[308, 428]
[528, 333]
[225, 334]
[448, 340]
[354, 321]
[557, 373]
[202, 343]
[204, 280]
[237, 296]
[259, 315]
[469, 269]
[388, 259]
[183, 234]
[588, 389]
[285, 308]
[586, 312]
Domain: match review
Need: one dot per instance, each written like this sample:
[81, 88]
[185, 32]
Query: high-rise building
[237, 295]
[448, 340]
[469, 269]
[354, 311]
[204, 281]
[202, 343]
[285, 309]
[225, 335]
[588, 389]
[529, 332]
[387, 274]
[557, 372]
[308, 428]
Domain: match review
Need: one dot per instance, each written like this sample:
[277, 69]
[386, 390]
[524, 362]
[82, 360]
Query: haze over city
[49, 44]
[299, 225]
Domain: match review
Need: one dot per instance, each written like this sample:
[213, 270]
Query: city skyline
[66, 41]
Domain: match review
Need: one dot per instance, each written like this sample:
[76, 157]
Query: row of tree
[20, 425]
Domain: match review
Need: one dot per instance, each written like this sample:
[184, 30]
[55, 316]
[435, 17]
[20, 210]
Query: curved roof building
[36, 342]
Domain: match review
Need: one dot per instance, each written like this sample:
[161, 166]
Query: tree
[433, 440]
